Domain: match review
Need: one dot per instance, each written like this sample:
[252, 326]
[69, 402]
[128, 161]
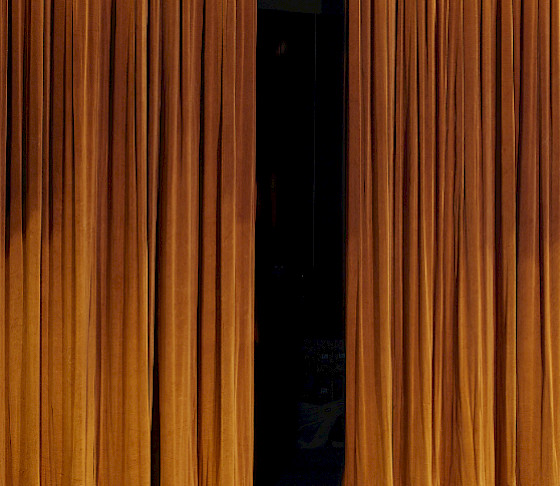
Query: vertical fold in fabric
[74, 344]
[22, 168]
[244, 102]
[505, 400]
[127, 203]
[467, 194]
[204, 107]
[180, 35]
[124, 402]
[4, 161]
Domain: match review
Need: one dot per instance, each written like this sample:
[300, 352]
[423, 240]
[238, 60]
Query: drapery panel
[453, 258]
[126, 204]
[203, 81]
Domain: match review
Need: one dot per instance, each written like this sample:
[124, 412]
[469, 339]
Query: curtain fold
[453, 253]
[206, 155]
[126, 205]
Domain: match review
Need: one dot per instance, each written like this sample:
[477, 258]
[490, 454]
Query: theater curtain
[453, 258]
[204, 136]
[126, 219]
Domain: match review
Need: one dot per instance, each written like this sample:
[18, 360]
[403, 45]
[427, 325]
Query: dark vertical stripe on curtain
[453, 249]
[205, 268]
[126, 167]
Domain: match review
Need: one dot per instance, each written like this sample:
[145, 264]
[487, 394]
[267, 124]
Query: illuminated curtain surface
[126, 205]
[453, 258]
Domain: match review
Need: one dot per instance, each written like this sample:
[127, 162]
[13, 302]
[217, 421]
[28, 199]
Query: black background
[300, 219]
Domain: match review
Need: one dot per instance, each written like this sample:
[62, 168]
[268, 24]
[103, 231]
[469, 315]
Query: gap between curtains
[127, 189]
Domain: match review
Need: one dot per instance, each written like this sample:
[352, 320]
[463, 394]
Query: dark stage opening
[300, 352]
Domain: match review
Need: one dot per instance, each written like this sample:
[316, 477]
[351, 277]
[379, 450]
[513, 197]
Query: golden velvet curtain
[126, 204]
[453, 260]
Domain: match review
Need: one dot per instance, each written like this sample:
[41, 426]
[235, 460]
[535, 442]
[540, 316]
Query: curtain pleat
[204, 107]
[453, 243]
[126, 208]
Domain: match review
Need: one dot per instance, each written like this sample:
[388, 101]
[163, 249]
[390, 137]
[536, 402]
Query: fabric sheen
[453, 252]
[127, 187]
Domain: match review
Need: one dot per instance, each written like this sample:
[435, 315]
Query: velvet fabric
[453, 254]
[127, 187]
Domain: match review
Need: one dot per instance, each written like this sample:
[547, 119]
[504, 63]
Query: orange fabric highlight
[453, 256]
[127, 185]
